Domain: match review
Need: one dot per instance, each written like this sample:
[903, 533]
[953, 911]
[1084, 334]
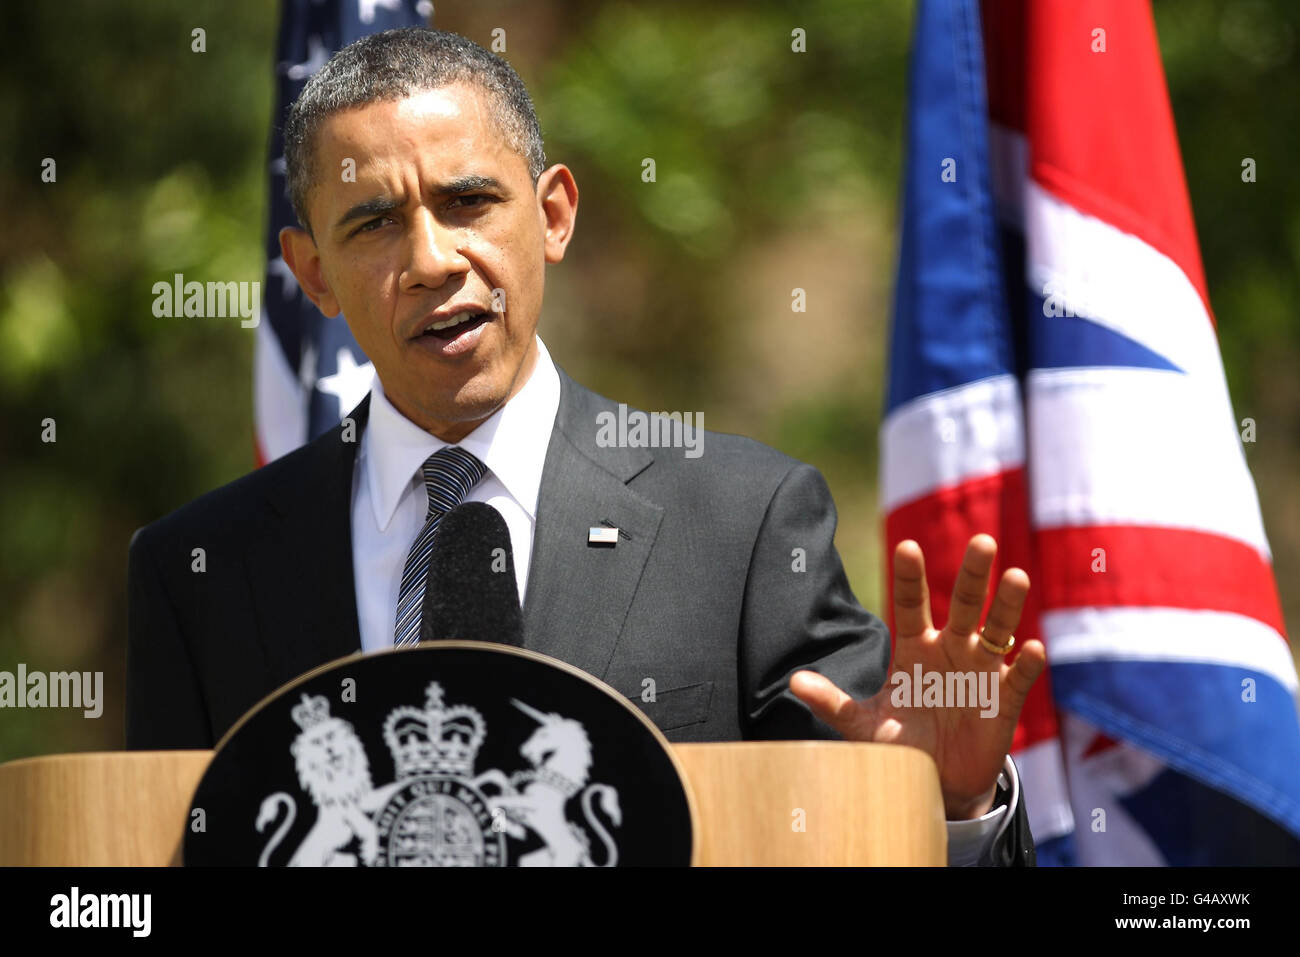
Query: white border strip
[1078, 635]
[1113, 446]
[948, 437]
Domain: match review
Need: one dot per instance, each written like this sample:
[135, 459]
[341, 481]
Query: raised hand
[968, 743]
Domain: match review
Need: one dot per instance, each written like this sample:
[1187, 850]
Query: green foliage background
[774, 171]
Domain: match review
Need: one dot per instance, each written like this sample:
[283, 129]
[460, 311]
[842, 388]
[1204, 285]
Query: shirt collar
[512, 443]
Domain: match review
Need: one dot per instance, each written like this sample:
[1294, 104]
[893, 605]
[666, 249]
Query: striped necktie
[449, 474]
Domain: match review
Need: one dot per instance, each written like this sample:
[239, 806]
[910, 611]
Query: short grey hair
[394, 64]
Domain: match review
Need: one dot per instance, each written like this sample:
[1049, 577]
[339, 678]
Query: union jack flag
[1055, 381]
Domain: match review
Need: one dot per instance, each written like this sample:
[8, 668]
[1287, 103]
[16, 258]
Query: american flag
[308, 369]
[1055, 381]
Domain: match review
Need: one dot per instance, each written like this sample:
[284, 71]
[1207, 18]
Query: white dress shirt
[389, 506]
[389, 502]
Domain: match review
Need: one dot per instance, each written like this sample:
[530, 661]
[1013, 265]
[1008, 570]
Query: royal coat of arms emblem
[440, 812]
[446, 754]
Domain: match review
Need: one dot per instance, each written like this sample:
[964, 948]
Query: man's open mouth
[449, 329]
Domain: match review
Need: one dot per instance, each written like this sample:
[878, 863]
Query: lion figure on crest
[332, 767]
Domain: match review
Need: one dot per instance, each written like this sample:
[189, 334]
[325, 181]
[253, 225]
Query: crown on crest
[435, 740]
[311, 711]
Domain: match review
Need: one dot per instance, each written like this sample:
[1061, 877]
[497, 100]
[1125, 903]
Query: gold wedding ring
[997, 649]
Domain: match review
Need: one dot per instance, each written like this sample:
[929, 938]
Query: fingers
[972, 585]
[1024, 671]
[1008, 604]
[911, 594]
[824, 698]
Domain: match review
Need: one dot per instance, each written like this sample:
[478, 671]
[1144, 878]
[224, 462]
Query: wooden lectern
[758, 804]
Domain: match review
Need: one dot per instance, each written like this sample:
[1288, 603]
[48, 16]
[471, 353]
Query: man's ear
[300, 255]
[557, 195]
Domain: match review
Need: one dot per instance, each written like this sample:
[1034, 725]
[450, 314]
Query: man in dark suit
[723, 587]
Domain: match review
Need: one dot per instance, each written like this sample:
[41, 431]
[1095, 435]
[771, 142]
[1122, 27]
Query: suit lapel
[301, 568]
[578, 595]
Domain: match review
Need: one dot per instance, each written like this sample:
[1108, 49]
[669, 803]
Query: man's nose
[432, 253]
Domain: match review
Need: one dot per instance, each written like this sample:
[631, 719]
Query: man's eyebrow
[468, 184]
[378, 206]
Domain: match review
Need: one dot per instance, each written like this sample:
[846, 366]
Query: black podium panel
[443, 754]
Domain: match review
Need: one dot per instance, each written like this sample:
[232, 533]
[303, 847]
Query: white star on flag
[350, 384]
[366, 8]
[317, 55]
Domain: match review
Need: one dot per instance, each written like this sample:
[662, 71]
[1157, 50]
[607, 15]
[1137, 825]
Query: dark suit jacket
[700, 594]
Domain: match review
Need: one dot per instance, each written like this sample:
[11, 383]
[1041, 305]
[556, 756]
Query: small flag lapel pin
[602, 535]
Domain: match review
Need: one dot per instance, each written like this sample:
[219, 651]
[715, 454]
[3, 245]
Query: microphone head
[470, 592]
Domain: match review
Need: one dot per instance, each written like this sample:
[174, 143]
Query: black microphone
[470, 592]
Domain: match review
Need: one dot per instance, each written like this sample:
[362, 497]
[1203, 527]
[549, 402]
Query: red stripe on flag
[1099, 744]
[1101, 130]
[1150, 566]
[942, 523]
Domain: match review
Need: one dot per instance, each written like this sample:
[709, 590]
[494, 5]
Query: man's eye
[372, 225]
[473, 199]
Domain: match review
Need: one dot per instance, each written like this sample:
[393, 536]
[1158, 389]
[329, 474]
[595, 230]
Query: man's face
[442, 224]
